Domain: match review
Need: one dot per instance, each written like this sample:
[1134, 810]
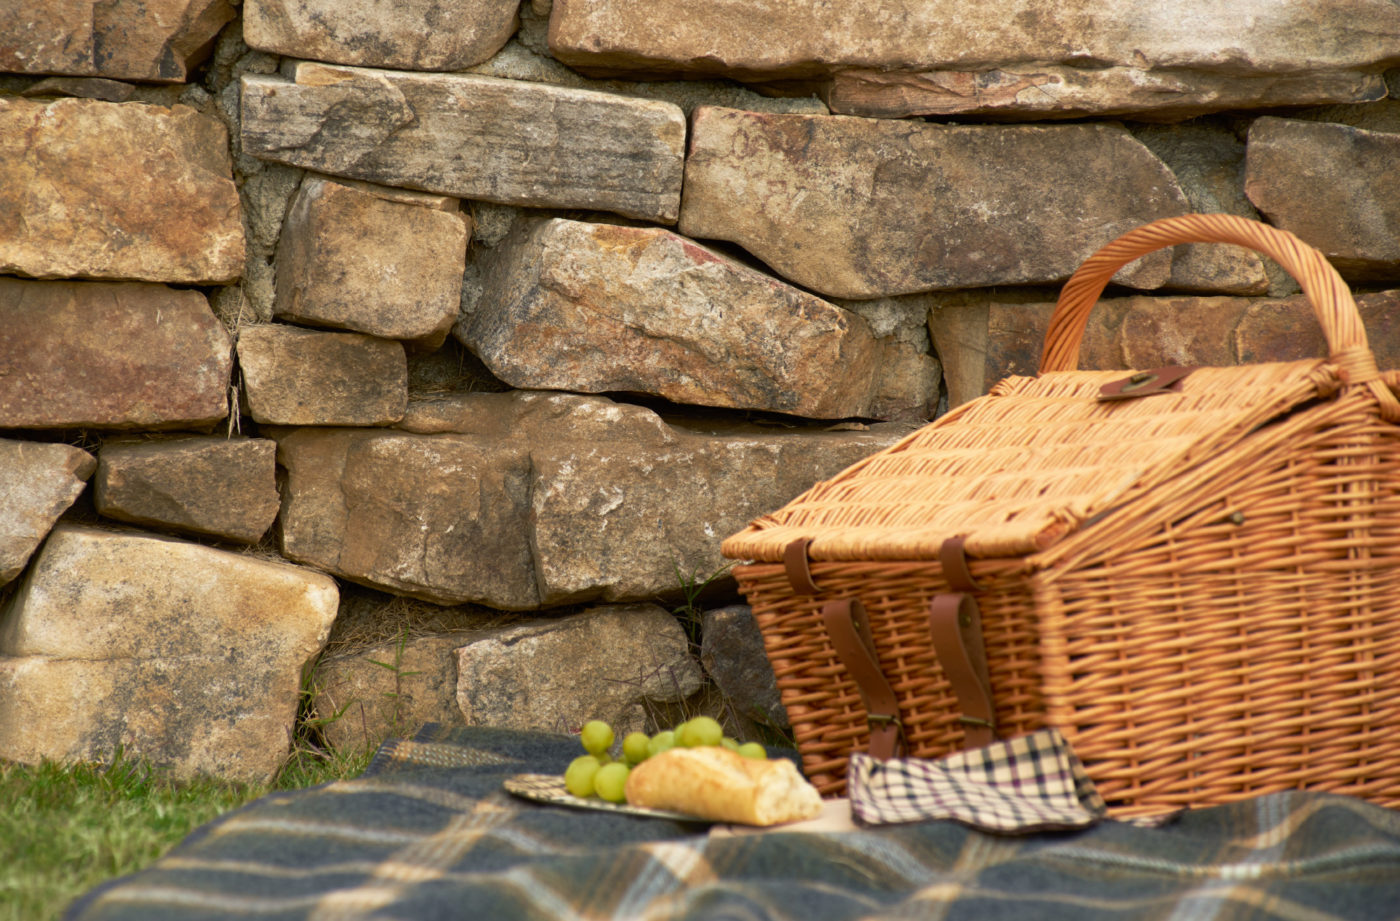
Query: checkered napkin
[1031, 783]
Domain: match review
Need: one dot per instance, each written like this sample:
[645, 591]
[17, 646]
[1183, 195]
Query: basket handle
[1330, 298]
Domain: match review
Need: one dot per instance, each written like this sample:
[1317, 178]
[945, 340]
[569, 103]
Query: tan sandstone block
[145, 40]
[183, 654]
[174, 216]
[437, 517]
[793, 38]
[473, 137]
[38, 482]
[222, 487]
[1024, 92]
[110, 355]
[864, 208]
[649, 311]
[1335, 186]
[531, 676]
[295, 376]
[403, 34]
[352, 259]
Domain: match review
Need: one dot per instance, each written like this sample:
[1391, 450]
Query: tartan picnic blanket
[427, 832]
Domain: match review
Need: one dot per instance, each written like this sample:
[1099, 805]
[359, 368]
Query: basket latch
[797, 568]
[955, 625]
[849, 631]
[1144, 384]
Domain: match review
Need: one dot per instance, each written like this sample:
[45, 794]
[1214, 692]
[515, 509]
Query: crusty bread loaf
[715, 783]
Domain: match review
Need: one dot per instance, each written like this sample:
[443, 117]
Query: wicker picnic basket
[1193, 573]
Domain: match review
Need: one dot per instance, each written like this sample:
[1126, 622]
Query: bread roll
[715, 783]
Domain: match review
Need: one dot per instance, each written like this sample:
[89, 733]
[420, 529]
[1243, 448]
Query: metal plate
[549, 788]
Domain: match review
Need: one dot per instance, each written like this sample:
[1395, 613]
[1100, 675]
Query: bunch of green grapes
[599, 774]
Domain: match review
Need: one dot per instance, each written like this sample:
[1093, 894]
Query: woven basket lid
[1026, 465]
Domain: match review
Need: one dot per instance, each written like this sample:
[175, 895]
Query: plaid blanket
[428, 833]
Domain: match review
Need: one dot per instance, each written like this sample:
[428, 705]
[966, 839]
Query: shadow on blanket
[427, 833]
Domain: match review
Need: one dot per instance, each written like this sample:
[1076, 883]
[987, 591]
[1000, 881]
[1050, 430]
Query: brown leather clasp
[797, 567]
[955, 625]
[952, 556]
[849, 631]
[1144, 384]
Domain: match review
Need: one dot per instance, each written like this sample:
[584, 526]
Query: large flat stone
[174, 216]
[518, 501]
[863, 208]
[186, 655]
[192, 716]
[1207, 159]
[1044, 91]
[1334, 186]
[438, 517]
[405, 34]
[352, 258]
[106, 594]
[472, 137]
[110, 355]
[295, 376]
[502, 416]
[596, 308]
[388, 691]
[1288, 330]
[788, 38]
[533, 676]
[38, 482]
[621, 521]
[221, 487]
[145, 40]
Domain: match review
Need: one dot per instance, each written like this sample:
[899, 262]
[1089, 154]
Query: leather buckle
[1144, 384]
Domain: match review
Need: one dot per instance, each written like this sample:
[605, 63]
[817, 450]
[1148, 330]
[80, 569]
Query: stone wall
[440, 343]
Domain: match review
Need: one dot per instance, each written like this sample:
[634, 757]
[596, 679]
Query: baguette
[717, 784]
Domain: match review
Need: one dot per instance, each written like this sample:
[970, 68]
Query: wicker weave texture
[1022, 467]
[1212, 650]
[824, 705]
[1201, 588]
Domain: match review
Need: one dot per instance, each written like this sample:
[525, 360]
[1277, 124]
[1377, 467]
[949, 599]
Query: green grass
[67, 828]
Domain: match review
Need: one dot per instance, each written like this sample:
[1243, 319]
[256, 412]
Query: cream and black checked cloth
[1032, 783]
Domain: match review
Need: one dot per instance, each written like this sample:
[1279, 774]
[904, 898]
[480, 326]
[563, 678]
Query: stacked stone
[244, 260]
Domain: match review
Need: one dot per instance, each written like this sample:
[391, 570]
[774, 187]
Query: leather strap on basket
[797, 568]
[952, 556]
[849, 632]
[955, 624]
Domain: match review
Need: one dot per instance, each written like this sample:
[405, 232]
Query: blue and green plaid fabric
[428, 833]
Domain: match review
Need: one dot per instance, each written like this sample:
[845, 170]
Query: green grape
[730, 743]
[702, 730]
[636, 747]
[753, 750]
[596, 736]
[661, 741]
[578, 777]
[611, 782]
